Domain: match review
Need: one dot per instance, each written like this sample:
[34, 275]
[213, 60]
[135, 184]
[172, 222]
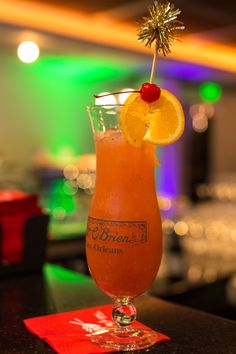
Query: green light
[61, 202]
[210, 91]
[66, 85]
[54, 93]
[84, 69]
[55, 273]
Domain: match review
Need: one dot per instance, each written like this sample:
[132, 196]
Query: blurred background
[84, 48]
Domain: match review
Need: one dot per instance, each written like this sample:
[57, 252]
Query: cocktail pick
[161, 27]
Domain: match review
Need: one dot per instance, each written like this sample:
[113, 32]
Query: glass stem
[123, 312]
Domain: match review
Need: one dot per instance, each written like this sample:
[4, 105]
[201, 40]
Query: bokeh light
[71, 171]
[124, 95]
[85, 181]
[164, 203]
[181, 228]
[200, 123]
[210, 91]
[105, 100]
[70, 188]
[168, 226]
[28, 52]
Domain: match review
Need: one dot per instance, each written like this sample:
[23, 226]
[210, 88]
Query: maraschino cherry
[150, 92]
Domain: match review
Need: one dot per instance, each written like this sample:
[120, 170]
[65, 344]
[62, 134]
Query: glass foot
[124, 339]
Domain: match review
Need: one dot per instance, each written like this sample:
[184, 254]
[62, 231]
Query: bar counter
[57, 290]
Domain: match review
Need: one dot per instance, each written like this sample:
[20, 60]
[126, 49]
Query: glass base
[124, 339]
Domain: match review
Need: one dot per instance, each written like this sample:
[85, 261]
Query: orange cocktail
[124, 237]
[124, 234]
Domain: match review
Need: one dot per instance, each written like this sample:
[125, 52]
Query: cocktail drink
[124, 228]
[124, 236]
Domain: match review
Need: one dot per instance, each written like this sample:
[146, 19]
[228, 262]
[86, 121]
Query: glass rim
[99, 106]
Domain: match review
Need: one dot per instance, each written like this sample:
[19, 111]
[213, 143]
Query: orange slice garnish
[160, 122]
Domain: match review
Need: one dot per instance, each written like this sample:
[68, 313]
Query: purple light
[169, 174]
[185, 71]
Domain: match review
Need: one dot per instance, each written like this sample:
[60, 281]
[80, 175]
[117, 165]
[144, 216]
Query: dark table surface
[58, 290]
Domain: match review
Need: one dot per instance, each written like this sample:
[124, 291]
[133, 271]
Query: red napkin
[15, 208]
[68, 333]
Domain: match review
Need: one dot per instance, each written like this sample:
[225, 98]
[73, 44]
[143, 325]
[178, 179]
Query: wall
[223, 139]
[43, 104]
